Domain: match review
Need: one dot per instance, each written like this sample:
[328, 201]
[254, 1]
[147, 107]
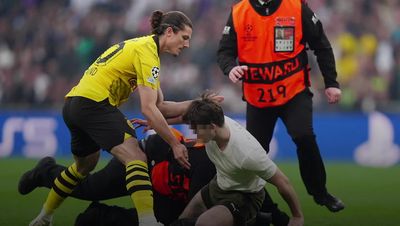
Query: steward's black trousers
[297, 118]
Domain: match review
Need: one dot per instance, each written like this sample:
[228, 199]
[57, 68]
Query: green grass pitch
[371, 195]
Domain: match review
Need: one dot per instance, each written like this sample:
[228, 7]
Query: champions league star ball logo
[248, 28]
[154, 72]
[249, 34]
[154, 75]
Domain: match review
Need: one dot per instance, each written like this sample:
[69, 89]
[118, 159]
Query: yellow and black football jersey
[118, 71]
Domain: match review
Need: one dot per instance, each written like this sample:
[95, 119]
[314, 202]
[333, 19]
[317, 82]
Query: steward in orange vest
[264, 45]
[273, 46]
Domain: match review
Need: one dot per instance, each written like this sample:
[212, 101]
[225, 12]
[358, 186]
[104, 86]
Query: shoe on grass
[30, 179]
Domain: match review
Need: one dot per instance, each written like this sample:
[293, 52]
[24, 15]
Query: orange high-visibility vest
[270, 46]
[170, 179]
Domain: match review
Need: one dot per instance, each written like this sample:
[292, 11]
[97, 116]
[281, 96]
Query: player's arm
[137, 122]
[174, 110]
[170, 109]
[148, 100]
[175, 120]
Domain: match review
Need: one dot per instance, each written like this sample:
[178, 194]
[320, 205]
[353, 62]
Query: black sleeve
[201, 172]
[314, 35]
[227, 49]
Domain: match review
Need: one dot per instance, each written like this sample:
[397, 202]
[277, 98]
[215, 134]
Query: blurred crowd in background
[46, 45]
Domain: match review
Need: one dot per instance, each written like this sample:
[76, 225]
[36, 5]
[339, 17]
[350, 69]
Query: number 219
[270, 94]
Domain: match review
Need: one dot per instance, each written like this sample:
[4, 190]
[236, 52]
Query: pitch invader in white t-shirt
[236, 194]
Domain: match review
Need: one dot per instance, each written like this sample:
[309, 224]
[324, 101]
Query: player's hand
[137, 123]
[237, 73]
[216, 98]
[181, 155]
[333, 94]
[296, 221]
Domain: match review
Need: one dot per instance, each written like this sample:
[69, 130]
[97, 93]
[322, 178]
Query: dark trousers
[297, 117]
[109, 182]
[104, 184]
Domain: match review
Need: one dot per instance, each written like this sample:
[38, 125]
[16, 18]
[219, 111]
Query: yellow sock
[139, 186]
[63, 186]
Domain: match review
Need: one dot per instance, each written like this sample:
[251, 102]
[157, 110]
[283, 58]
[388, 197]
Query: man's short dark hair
[204, 111]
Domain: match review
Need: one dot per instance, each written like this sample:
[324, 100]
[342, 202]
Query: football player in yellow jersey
[91, 114]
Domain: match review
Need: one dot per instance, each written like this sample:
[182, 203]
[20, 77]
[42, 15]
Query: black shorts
[244, 206]
[95, 125]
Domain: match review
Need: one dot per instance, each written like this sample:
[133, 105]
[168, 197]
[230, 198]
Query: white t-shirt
[243, 165]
